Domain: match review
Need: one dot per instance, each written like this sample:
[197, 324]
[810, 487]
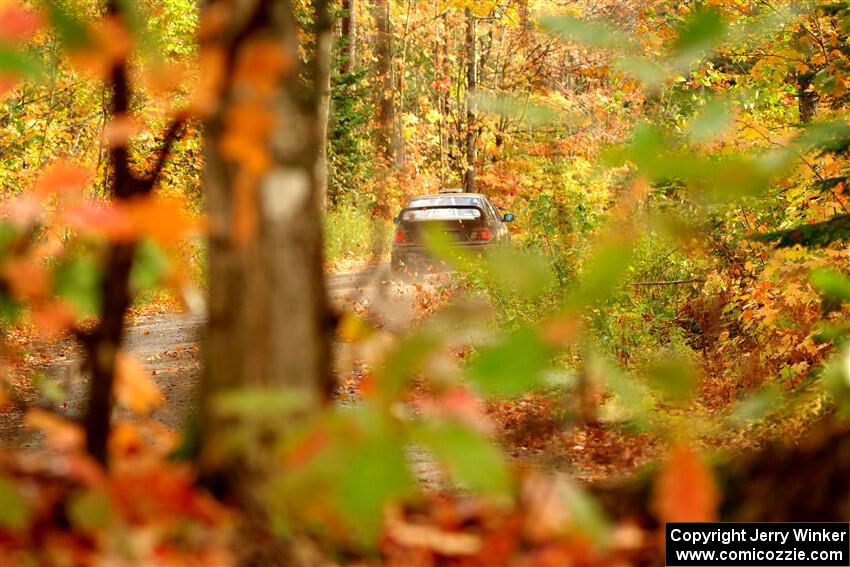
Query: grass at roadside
[351, 233]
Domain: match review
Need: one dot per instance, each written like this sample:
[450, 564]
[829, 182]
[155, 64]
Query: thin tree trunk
[322, 65]
[387, 138]
[268, 310]
[103, 343]
[471, 83]
[439, 77]
[807, 99]
[349, 36]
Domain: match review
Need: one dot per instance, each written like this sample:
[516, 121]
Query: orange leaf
[133, 388]
[8, 81]
[111, 44]
[685, 490]
[59, 433]
[26, 278]
[51, 319]
[25, 209]
[211, 62]
[163, 219]
[261, 64]
[108, 220]
[62, 177]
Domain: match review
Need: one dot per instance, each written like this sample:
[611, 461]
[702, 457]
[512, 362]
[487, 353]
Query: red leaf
[685, 490]
[18, 23]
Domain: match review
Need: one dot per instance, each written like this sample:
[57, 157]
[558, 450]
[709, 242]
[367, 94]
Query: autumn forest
[419, 283]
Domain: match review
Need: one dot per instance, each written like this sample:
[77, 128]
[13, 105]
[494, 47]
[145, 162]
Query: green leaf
[14, 513]
[521, 272]
[700, 32]
[404, 362]
[710, 123]
[149, 267]
[8, 235]
[91, 510]
[261, 403]
[586, 514]
[674, 378]
[78, 281]
[472, 460]
[16, 62]
[513, 366]
[833, 284]
[605, 271]
[632, 400]
[376, 474]
[72, 32]
[649, 72]
[9, 309]
[48, 387]
[587, 32]
[836, 379]
[756, 405]
[516, 109]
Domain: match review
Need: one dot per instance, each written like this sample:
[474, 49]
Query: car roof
[447, 195]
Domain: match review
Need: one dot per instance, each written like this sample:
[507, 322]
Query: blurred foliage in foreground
[641, 294]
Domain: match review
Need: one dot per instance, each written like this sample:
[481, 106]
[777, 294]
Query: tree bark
[322, 78]
[471, 84]
[387, 138]
[103, 343]
[348, 60]
[807, 99]
[268, 310]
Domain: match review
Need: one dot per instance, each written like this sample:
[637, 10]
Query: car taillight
[399, 237]
[483, 234]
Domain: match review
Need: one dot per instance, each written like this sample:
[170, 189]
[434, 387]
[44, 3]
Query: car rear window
[446, 202]
[437, 213]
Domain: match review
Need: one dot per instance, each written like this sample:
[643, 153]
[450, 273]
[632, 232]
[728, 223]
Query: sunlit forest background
[206, 360]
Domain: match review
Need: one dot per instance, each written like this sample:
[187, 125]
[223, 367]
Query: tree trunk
[104, 342]
[807, 99]
[348, 59]
[471, 82]
[387, 139]
[322, 67]
[268, 309]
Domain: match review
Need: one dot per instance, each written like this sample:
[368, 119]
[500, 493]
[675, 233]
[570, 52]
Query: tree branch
[172, 135]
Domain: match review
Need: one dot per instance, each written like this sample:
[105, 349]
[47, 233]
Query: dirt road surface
[169, 346]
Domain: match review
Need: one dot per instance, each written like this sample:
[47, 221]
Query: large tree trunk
[268, 310]
[471, 84]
